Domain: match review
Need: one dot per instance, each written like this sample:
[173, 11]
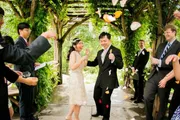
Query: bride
[77, 92]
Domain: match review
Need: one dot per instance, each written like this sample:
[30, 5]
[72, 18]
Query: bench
[13, 94]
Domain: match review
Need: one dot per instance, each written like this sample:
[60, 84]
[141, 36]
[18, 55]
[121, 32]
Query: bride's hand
[172, 58]
[84, 58]
[87, 52]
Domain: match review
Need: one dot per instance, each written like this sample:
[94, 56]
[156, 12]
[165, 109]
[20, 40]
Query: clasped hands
[134, 71]
[85, 58]
[154, 61]
[173, 58]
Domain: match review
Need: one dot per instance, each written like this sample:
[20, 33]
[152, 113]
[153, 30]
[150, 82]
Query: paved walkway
[122, 108]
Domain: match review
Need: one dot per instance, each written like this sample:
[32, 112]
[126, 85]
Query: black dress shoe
[138, 101]
[133, 98]
[95, 115]
[105, 118]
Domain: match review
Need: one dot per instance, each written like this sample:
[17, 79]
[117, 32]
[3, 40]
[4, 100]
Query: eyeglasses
[27, 30]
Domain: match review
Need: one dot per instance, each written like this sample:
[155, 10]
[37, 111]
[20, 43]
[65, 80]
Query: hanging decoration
[99, 12]
[108, 18]
[117, 14]
[123, 2]
[114, 2]
[135, 25]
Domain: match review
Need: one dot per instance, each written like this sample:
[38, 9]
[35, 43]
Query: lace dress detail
[176, 115]
[77, 92]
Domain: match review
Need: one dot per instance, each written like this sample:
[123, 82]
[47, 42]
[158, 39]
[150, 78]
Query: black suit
[139, 64]
[107, 78]
[15, 55]
[26, 93]
[157, 74]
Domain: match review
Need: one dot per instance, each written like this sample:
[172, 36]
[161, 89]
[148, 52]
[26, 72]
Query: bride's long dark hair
[74, 43]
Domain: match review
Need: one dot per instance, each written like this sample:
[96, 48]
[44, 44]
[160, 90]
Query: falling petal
[117, 14]
[123, 2]
[179, 54]
[100, 101]
[114, 2]
[135, 25]
[107, 106]
[1, 47]
[125, 97]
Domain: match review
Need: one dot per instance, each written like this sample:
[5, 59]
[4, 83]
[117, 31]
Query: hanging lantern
[135, 25]
[105, 17]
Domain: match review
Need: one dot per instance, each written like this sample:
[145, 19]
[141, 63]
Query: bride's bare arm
[73, 64]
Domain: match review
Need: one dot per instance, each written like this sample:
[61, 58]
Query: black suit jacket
[141, 60]
[15, 55]
[165, 69]
[107, 76]
[20, 43]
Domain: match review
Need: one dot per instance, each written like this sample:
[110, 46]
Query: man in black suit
[140, 61]
[12, 54]
[171, 46]
[26, 93]
[108, 59]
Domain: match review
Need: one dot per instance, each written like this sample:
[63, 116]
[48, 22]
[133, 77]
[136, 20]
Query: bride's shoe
[68, 118]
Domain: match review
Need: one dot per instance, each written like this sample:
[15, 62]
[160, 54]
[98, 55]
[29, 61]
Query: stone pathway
[122, 108]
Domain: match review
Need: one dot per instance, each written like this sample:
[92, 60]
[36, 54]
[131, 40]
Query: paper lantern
[135, 25]
[111, 18]
[117, 14]
[108, 18]
[114, 2]
[105, 17]
[123, 2]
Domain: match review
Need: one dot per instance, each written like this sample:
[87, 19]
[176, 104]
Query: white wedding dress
[77, 92]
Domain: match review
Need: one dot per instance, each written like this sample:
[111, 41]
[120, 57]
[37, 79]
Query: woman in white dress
[77, 93]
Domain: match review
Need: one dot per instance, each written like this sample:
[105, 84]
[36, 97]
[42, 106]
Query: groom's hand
[111, 57]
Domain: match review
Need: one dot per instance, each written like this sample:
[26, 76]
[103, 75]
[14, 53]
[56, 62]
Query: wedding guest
[174, 113]
[160, 70]
[77, 92]
[12, 54]
[109, 59]
[140, 61]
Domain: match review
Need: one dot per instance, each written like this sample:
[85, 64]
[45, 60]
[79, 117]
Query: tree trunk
[58, 50]
[159, 33]
[60, 61]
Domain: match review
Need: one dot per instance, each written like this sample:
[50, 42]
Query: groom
[108, 59]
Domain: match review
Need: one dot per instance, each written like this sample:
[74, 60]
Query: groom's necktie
[165, 50]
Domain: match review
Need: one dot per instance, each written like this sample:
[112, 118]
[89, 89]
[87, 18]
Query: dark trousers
[26, 101]
[139, 88]
[150, 91]
[175, 101]
[4, 111]
[103, 101]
